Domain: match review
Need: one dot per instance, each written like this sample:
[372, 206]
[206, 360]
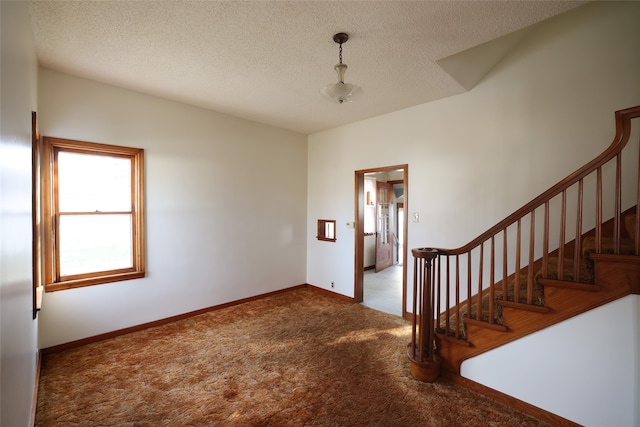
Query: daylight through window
[93, 213]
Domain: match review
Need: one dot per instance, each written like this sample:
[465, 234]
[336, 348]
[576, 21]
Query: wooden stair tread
[485, 324]
[524, 306]
[616, 257]
[560, 285]
[580, 286]
[458, 341]
[617, 276]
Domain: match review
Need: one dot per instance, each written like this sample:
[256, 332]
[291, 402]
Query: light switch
[416, 217]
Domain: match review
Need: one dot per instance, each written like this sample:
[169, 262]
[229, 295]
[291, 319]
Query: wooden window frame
[52, 279]
[322, 227]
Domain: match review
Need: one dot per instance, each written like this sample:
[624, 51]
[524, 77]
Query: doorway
[390, 227]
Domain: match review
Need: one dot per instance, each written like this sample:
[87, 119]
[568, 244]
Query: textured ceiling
[267, 60]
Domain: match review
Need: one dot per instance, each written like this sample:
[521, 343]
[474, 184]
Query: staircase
[538, 266]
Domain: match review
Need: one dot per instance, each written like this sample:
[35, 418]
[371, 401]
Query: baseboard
[96, 338]
[512, 402]
[34, 404]
[331, 293]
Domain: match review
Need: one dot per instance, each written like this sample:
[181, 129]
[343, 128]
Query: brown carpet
[300, 358]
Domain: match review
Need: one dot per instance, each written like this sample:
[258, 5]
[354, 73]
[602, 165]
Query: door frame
[359, 240]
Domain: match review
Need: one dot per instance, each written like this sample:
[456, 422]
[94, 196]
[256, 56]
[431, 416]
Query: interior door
[384, 230]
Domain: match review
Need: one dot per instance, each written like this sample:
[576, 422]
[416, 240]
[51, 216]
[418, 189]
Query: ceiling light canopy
[341, 92]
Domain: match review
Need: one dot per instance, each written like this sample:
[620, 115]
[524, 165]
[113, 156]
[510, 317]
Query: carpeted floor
[300, 358]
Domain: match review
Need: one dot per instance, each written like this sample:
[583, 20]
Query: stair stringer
[616, 276]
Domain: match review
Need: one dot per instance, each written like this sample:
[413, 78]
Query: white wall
[543, 111]
[225, 206]
[594, 353]
[18, 330]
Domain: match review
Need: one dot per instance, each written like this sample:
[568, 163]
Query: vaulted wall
[225, 206]
[542, 112]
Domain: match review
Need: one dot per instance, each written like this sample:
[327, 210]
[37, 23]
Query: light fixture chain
[341, 53]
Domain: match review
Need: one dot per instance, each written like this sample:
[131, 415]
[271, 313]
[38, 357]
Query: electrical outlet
[333, 284]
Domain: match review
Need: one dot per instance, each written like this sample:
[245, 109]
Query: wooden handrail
[516, 280]
[623, 130]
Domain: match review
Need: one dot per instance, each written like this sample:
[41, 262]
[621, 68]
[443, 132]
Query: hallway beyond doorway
[383, 290]
[392, 174]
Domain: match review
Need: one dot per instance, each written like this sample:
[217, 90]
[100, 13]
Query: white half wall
[225, 206]
[544, 111]
[18, 329]
[587, 365]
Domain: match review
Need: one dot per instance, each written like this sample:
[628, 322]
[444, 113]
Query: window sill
[79, 283]
[326, 240]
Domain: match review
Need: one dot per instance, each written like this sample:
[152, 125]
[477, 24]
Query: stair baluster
[584, 251]
[425, 363]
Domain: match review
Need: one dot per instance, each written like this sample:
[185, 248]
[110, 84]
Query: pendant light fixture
[341, 92]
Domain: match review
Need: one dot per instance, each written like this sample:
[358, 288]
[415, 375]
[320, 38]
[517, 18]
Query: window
[93, 213]
[327, 230]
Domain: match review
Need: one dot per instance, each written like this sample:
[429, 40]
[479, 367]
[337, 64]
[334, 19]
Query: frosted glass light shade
[341, 92]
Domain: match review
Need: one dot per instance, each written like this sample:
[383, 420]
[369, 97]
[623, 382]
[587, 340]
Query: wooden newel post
[425, 363]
